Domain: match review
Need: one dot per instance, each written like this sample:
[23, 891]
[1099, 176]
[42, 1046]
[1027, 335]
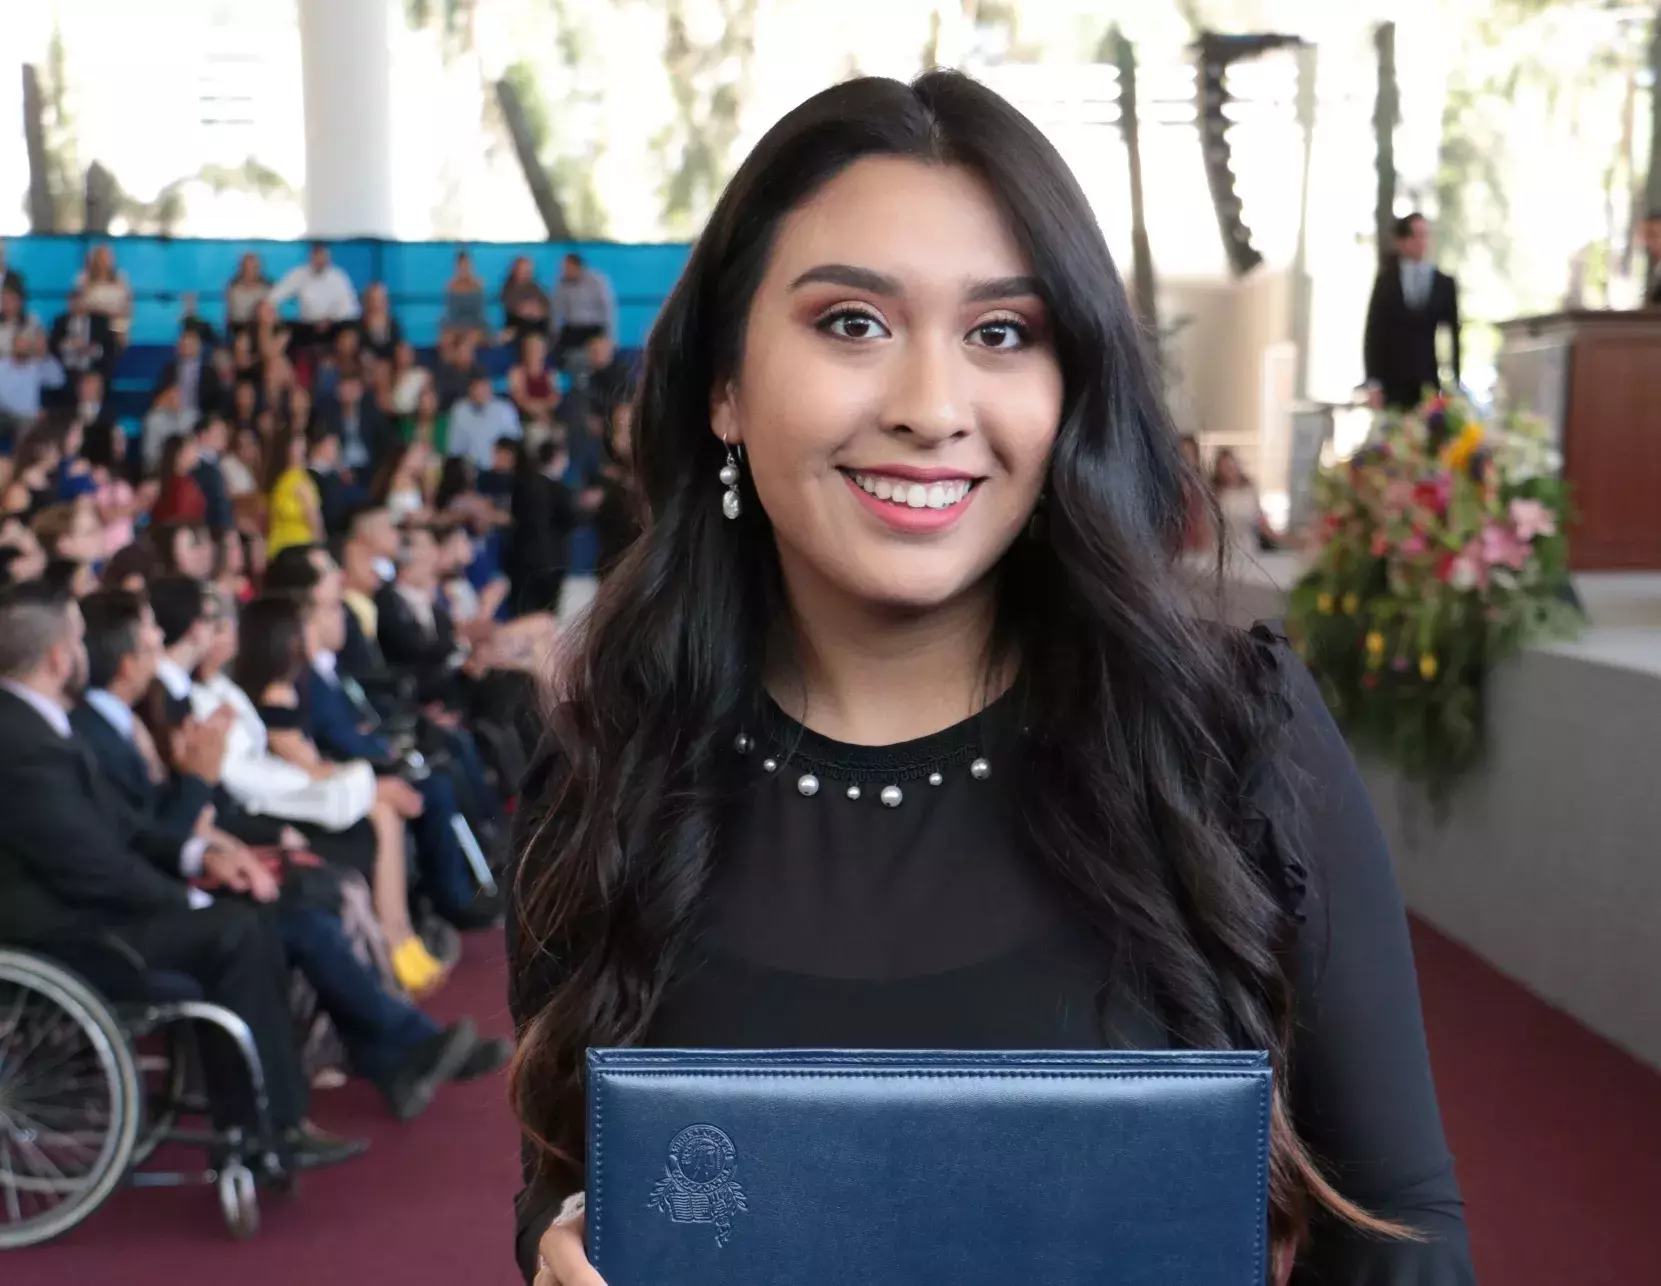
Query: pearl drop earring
[729, 479]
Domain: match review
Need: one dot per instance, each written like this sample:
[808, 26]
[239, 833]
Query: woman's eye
[1002, 334]
[853, 324]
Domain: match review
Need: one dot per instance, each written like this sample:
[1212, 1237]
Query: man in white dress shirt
[326, 294]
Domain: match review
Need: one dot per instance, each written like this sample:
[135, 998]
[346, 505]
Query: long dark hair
[272, 646]
[380, 487]
[1143, 718]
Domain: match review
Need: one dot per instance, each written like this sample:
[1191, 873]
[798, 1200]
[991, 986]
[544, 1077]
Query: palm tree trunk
[1386, 114]
[536, 178]
[1652, 188]
[1141, 252]
[42, 211]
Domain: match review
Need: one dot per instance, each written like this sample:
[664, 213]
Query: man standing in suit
[1411, 302]
[75, 864]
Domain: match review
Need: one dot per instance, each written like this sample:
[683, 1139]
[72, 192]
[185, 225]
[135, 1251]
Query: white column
[346, 66]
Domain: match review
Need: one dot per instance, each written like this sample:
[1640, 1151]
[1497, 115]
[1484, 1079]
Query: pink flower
[1435, 494]
[1414, 545]
[1502, 548]
[1381, 544]
[1398, 495]
[1531, 519]
[1468, 570]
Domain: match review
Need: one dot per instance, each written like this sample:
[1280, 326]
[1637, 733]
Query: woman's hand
[564, 1262]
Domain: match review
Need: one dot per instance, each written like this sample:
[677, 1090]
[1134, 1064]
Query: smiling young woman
[895, 729]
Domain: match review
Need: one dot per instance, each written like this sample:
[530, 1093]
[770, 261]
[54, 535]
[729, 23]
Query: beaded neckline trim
[817, 763]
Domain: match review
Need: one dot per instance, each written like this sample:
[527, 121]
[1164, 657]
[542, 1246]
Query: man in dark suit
[199, 385]
[213, 439]
[345, 727]
[417, 637]
[323, 463]
[389, 1041]
[1411, 302]
[76, 864]
[93, 410]
[415, 632]
[365, 436]
[82, 341]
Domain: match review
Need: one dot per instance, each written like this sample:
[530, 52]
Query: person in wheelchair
[391, 1043]
[77, 866]
[344, 728]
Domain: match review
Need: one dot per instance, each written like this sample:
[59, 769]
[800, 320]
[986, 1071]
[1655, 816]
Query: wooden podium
[1595, 377]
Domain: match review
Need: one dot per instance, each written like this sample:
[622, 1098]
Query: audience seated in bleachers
[247, 762]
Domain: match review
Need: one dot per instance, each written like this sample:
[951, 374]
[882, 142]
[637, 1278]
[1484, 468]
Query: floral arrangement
[1440, 552]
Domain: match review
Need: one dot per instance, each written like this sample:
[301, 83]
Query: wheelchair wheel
[70, 1100]
[238, 1201]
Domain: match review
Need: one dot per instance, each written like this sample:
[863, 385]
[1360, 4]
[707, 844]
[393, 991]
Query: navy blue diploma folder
[836, 1167]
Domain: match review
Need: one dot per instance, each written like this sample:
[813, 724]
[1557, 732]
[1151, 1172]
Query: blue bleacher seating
[160, 270]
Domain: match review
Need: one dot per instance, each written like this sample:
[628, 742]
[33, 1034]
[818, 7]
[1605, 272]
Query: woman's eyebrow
[980, 292]
[845, 274]
[880, 283]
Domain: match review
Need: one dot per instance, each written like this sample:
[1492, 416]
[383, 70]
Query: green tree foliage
[708, 79]
[1562, 73]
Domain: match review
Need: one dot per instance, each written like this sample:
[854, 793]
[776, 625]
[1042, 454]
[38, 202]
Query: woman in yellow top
[296, 507]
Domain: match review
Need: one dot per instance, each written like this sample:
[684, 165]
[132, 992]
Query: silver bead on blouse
[743, 744]
[980, 770]
[807, 784]
[891, 796]
[853, 792]
[935, 779]
[769, 765]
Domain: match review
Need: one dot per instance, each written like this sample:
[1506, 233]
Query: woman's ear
[723, 414]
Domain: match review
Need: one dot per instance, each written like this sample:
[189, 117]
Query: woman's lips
[911, 503]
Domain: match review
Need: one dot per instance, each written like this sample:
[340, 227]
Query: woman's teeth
[913, 495]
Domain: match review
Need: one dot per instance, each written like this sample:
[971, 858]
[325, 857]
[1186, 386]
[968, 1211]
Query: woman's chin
[914, 591]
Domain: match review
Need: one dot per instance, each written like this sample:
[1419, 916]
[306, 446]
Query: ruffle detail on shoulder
[1267, 799]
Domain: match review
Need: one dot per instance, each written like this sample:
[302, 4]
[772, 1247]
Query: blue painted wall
[414, 272]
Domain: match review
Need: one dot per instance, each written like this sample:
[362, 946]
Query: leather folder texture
[844, 1167]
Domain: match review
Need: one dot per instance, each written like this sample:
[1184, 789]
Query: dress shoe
[488, 1055]
[308, 1148]
[429, 1065]
[486, 911]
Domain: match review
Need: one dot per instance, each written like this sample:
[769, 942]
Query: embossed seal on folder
[697, 1184]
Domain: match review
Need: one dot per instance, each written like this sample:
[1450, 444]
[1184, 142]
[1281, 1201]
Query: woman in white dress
[1245, 529]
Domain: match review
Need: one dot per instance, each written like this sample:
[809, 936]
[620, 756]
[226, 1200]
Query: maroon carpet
[1558, 1137]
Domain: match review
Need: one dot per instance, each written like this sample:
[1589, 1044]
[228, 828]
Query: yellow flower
[1351, 602]
[1427, 666]
[1457, 454]
[1323, 604]
[1375, 650]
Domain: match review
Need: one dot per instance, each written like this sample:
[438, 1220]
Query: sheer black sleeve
[528, 991]
[1362, 1094]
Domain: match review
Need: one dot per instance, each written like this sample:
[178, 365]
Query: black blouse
[842, 916]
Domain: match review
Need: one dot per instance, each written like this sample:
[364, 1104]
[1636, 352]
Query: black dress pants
[234, 950]
[352, 849]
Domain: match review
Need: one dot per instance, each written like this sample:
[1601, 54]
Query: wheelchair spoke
[8, 1187]
[70, 1100]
